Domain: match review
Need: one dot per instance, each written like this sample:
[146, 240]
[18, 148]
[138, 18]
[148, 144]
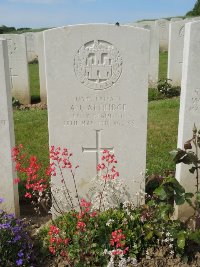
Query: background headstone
[19, 74]
[189, 106]
[42, 76]
[175, 19]
[97, 80]
[8, 190]
[154, 51]
[31, 44]
[175, 54]
[163, 28]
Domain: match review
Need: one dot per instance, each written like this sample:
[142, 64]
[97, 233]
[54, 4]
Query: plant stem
[73, 176]
[70, 198]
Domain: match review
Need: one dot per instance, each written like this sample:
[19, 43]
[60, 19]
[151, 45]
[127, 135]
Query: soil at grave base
[40, 106]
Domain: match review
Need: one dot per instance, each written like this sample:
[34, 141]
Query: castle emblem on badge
[98, 64]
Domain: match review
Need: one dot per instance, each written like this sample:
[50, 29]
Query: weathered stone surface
[19, 74]
[40, 52]
[97, 77]
[31, 45]
[189, 105]
[8, 190]
[175, 54]
[154, 51]
[163, 28]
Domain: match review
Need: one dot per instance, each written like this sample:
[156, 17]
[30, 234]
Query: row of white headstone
[97, 88]
[168, 36]
[25, 48]
[22, 49]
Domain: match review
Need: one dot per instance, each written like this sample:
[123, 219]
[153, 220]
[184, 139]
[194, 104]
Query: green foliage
[154, 94]
[15, 243]
[170, 190]
[5, 29]
[165, 87]
[15, 102]
[148, 226]
[34, 81]
[190, 157]
[196, 10]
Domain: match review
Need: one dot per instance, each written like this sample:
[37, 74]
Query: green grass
[162, 134]
[163, 65]
[34, 82]
[31, 131]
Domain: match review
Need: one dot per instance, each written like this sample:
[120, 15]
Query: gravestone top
[175, 54]
[18, 63]
[97, 97]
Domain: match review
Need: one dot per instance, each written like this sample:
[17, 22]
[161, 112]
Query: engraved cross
[98, 149]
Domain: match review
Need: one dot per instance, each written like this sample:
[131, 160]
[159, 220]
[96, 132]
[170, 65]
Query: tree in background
[196, 10]
[5, 29]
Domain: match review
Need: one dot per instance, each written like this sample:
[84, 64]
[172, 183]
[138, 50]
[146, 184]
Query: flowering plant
[107, 228]
[15, 243]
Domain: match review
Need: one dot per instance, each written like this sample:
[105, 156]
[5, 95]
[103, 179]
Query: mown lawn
[34, 82]
[163, 65]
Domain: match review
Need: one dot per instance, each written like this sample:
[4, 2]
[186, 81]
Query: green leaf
[164, 212]
[148, 235]
[181, 240]
[160, 193]
[192, 170]
[179, 199]
[190, 158]
[189, 195]
[198, 197]
[184, 157]
[177, 187]
[178, 154]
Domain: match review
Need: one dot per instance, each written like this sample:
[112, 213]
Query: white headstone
[40, 52]
[8, 190]
[97, 80]
[154, 51]
[175, 54]
[31, 46]
[175, 19]
[163, 28]
[19, 74]
[189, 105]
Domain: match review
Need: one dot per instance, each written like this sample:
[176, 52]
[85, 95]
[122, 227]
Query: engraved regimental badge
[98, 64]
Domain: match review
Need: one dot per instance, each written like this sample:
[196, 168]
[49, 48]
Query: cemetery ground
[31, 130]
[162, 125]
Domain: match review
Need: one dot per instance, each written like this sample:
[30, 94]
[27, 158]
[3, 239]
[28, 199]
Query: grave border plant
[114, 234]
[16, 247]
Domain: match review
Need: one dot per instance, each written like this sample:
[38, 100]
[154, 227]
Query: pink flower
[16, 180]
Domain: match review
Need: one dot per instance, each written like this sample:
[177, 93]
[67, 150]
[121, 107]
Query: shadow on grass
[35, 99]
